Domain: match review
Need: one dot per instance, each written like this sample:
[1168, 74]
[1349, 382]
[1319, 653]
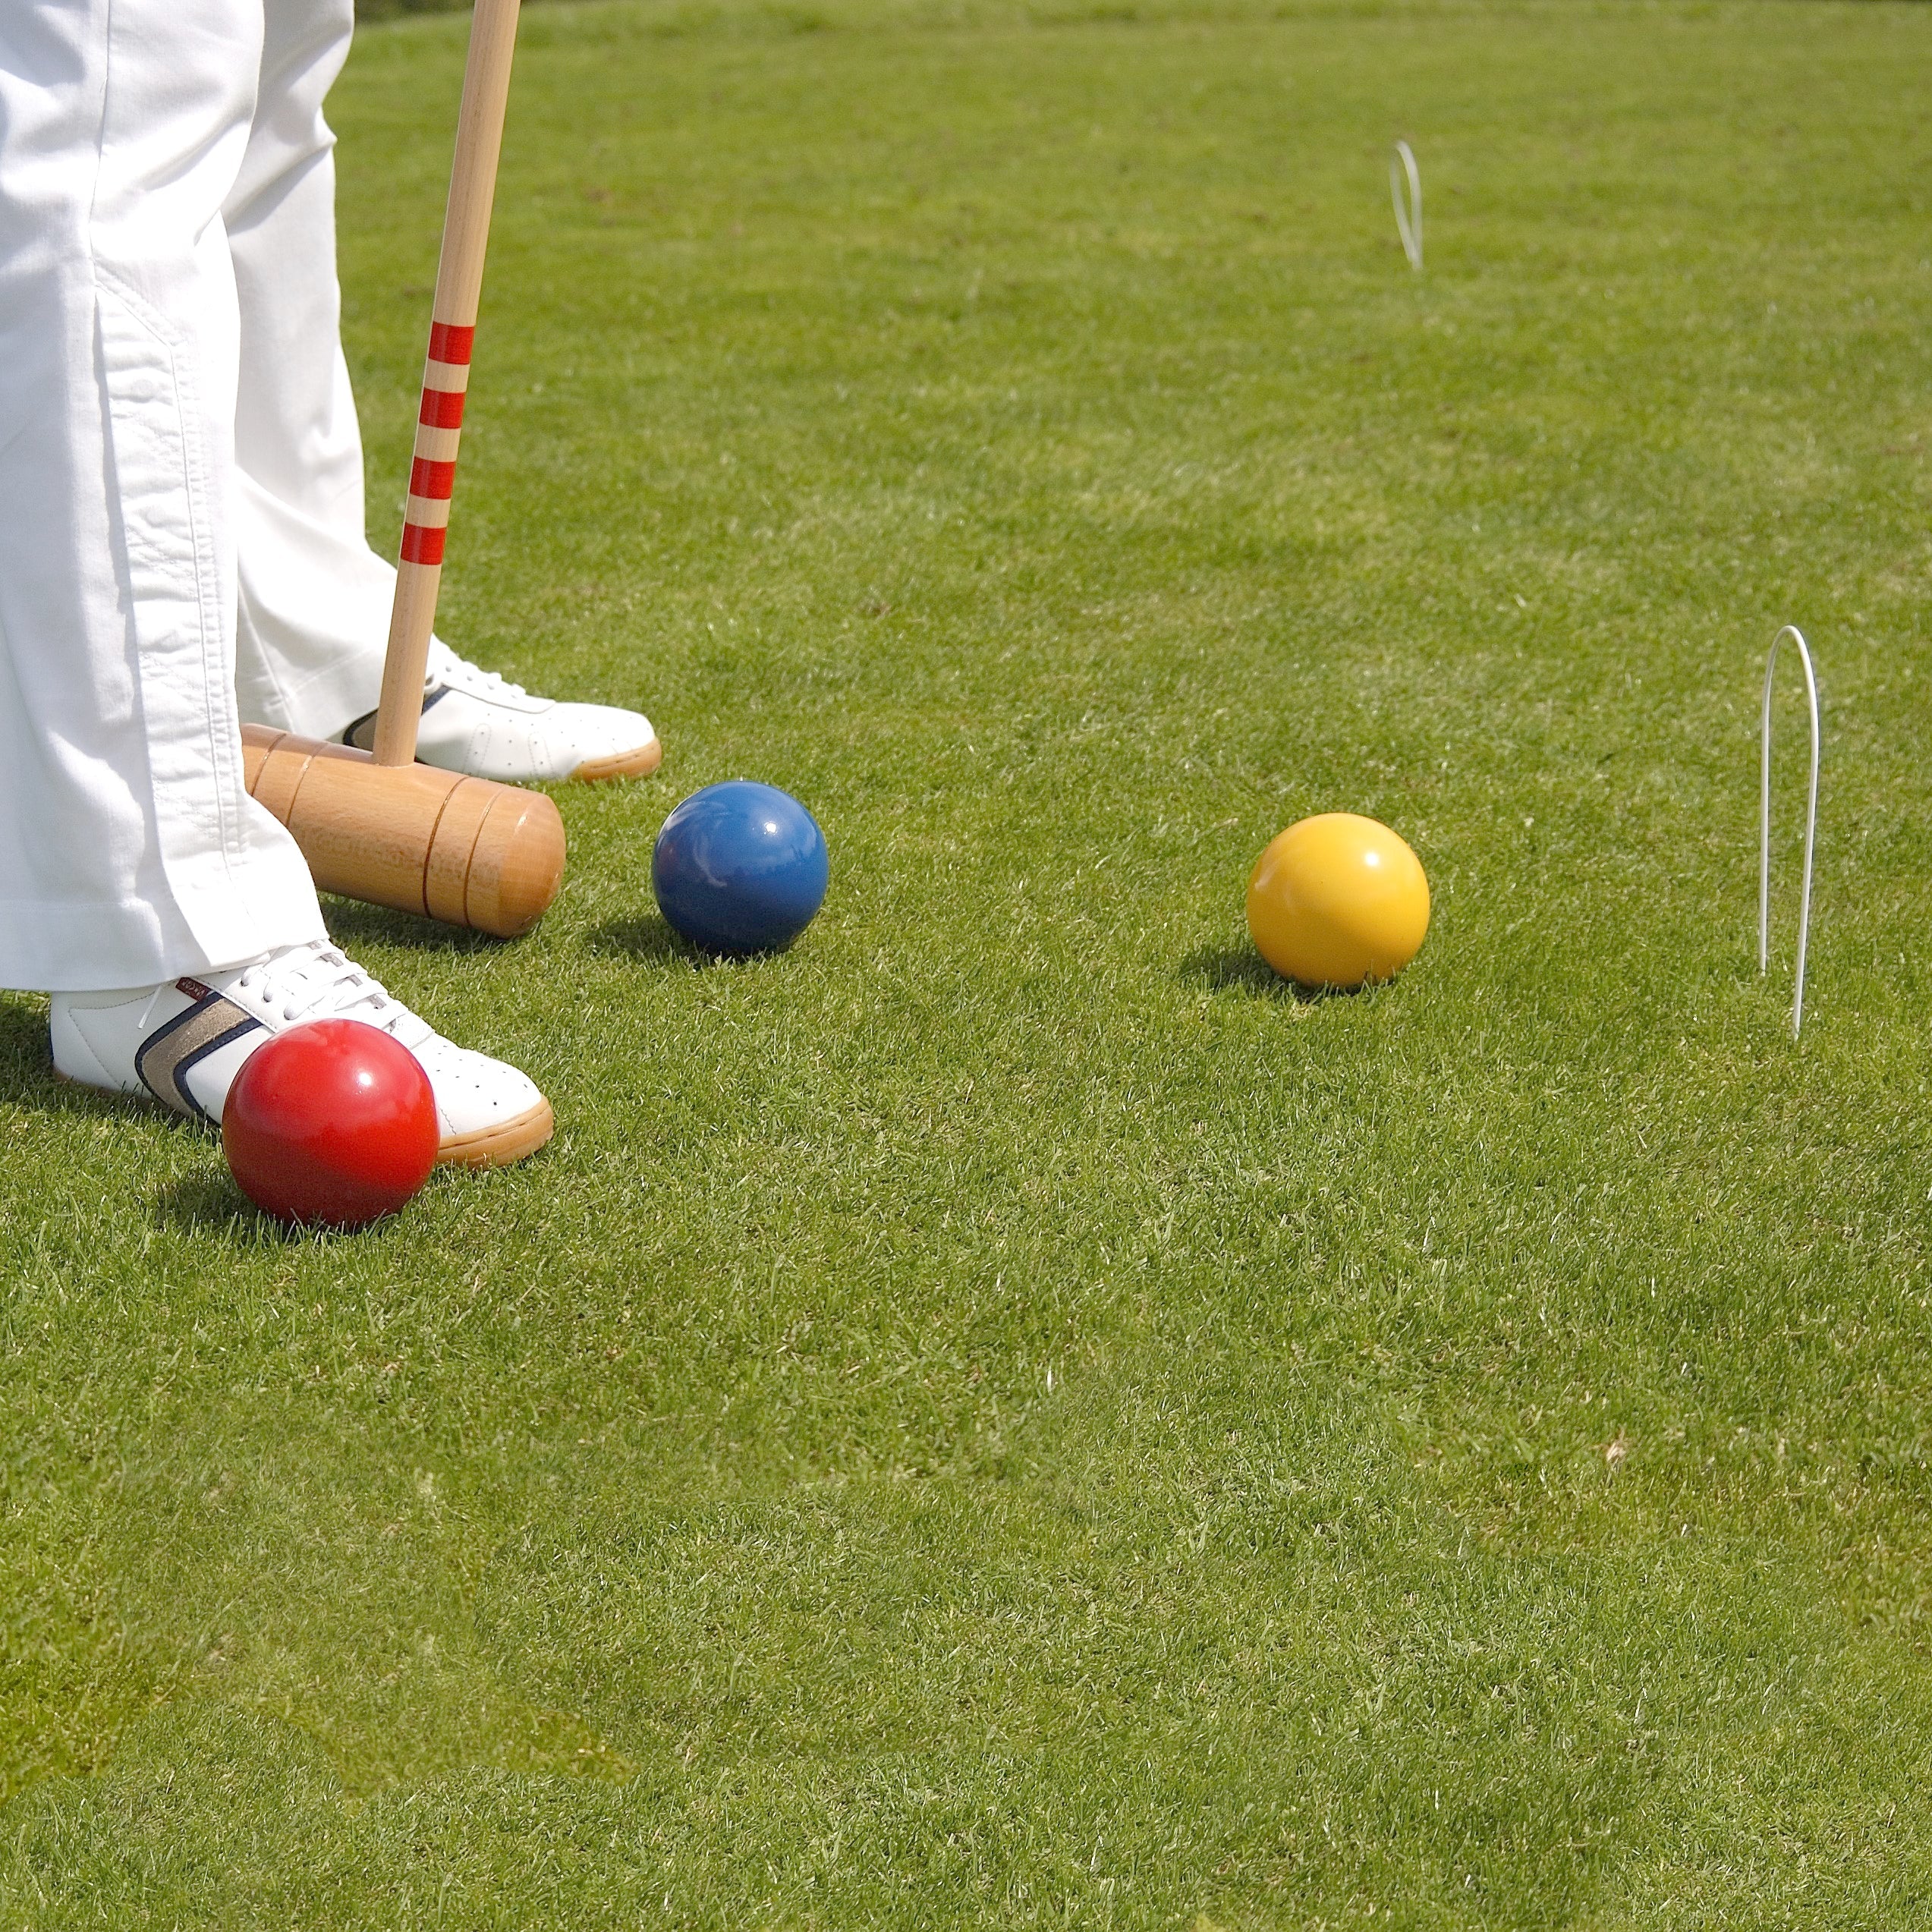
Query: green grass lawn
[1004, 1415]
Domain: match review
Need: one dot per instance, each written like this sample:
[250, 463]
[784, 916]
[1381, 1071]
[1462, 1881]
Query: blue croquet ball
[740, 867]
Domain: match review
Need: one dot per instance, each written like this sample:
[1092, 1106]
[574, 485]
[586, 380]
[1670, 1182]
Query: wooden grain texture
[465, 850]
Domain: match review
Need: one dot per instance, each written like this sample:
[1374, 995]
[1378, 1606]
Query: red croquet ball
[332, 1123]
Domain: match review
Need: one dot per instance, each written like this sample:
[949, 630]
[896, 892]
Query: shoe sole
[638, 764]
[497, 1146]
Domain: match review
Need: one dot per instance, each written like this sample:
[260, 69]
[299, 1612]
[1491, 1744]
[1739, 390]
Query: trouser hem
[60, 947]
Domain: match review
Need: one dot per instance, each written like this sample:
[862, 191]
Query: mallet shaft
[383, 828]
[445, 377]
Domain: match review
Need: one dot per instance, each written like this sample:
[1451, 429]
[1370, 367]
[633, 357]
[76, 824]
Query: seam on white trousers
[167, 537]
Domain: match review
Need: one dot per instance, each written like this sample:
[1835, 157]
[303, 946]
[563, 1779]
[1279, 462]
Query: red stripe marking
[422, 545]
[442, 409]
[449, 344]
[436, 481]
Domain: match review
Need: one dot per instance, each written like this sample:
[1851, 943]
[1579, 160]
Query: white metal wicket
[1791, 631]
[1403, 173]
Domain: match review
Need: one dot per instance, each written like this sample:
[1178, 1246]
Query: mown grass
[1002, 1414]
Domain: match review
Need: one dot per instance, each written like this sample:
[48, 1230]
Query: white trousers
[180, 477]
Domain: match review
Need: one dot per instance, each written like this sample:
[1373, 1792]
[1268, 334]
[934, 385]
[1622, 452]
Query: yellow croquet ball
[1337, 900]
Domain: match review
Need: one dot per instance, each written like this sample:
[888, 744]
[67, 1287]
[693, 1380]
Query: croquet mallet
[383, 828]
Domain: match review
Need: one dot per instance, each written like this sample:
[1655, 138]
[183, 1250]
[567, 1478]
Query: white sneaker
[475, 722]
[183, 1042]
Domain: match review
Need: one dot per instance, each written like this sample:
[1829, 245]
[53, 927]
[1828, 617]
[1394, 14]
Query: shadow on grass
[351, 924]
[212, 1204]
[1240, 969]
[653, 943]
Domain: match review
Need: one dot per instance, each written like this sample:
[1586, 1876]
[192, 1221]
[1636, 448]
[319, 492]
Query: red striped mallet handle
[446, 378]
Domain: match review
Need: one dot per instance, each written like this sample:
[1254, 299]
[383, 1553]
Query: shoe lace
[319, 979]
[446, 667]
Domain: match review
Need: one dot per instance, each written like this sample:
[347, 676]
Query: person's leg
[315, 597]
[129, 850]
[172, 917]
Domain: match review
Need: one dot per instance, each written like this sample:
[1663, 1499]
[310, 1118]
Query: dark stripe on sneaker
[362, 733]
[168, 1056]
